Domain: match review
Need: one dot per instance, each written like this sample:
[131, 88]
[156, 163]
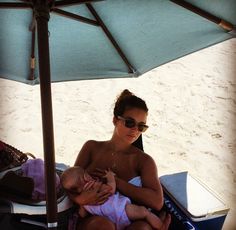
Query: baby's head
[74, 179]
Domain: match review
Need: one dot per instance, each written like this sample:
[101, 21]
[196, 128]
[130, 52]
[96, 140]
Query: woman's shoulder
[94, 144]
[88, 150]
[144, 158]
[141, 154]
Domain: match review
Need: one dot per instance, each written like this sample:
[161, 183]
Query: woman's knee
[139, 225]
[95, 223]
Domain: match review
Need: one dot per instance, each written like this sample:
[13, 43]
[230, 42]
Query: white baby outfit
[114, 208]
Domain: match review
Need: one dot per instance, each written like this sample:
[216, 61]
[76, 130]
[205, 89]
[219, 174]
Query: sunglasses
[131, 123]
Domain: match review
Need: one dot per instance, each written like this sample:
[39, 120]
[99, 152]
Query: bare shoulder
[90, 143]
[144, 159]
[93, 144]
[84, 156]
[93, 147]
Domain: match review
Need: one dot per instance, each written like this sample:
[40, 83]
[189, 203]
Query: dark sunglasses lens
[142, 128]
[129, 123]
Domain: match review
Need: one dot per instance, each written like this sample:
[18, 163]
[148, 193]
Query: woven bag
[11, 157]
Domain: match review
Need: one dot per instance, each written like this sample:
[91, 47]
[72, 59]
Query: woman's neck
[118, 146]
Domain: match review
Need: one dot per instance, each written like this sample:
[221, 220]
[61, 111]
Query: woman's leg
[143, 225]
[139, 225]
[95, 223]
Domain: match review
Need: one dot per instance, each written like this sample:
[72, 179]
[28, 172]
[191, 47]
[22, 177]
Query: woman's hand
[98, 173]
[92, 194]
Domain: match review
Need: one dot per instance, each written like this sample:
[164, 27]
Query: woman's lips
[131, 135]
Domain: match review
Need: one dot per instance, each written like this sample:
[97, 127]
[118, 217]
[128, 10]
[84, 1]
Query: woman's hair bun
[125, 93]
[127, 100]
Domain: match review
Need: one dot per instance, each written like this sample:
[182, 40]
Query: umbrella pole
[42, 17]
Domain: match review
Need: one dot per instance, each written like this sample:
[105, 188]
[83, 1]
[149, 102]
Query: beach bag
[12, 183]
[11, 157]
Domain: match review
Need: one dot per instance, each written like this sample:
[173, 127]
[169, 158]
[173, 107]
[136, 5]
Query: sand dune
[192, 117]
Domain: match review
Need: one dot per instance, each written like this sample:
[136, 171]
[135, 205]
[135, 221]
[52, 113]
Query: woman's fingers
[97, 185]
[102, 196]
[92, 185]
[93, 196]
[166, 222]
[88, 186]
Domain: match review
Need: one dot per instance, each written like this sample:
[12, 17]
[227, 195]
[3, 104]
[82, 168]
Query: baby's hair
[70, 175]
[127, 100]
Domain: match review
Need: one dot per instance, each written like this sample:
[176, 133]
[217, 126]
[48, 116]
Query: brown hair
[69, 178]
[128, 100]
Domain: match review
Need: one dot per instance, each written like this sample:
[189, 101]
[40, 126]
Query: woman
[136, 172]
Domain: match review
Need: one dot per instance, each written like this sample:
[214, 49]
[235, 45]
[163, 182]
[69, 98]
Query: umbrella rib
[111, 38]
[72, 2]
[15, 5]
[220, 22]
[75, 17]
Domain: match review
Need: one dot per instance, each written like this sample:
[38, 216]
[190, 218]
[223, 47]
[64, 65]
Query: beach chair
[139, 143]
[19, 211]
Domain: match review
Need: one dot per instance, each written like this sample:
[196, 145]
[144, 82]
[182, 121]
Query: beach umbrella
[100, 39]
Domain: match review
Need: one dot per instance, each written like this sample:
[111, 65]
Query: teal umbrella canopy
[44, 41]
[149, 34]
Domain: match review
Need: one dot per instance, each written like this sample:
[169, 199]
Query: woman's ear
[114, 120]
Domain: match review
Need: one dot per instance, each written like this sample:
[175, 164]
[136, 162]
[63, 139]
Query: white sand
[192, 117]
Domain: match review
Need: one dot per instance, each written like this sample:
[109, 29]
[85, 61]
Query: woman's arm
[150, 194]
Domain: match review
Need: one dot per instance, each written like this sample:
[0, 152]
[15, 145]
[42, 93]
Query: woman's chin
[131, 138]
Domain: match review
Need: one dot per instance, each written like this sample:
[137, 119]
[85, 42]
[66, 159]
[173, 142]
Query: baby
[117, 208]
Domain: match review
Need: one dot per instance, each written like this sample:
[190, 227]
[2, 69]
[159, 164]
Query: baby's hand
[109, 175]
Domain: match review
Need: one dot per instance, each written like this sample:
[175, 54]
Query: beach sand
[192, 117]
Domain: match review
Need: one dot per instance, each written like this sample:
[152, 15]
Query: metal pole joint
[42, 9]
